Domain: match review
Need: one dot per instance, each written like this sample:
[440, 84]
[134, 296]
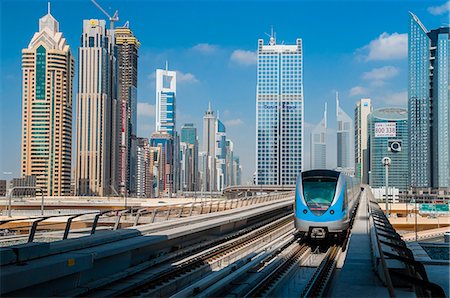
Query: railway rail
[175, 273]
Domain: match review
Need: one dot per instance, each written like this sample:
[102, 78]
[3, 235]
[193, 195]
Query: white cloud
[439, 10]
[234, 122]
[382, 73]
[357, 90]
[243, 57]
[186, 77]
[145, 109]
[205, 48]
[387, 47]
[398, 99]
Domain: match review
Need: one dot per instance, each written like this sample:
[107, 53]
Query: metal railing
[132, 216]
[393, 261]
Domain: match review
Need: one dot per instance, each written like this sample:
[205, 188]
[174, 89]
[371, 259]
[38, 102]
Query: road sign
[433, 208]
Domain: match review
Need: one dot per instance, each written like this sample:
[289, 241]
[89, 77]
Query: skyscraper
[344, 138]
[147, 163]
[127, 54]
[388, 136]
[279, 105]
[47, 77]
[428, 105]
[189, 160]
[221, 154]
[209, 150]
[229, 164]
[318, 154]
[166, 88]
[362, 110]
[164, 142]
[96, 106]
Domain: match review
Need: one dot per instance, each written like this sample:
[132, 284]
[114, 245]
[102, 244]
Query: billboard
[385, 129]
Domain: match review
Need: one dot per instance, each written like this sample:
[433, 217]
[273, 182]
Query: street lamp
[386, 161]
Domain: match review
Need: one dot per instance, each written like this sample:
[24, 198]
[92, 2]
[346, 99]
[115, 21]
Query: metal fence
[89, 222]
[393, 262]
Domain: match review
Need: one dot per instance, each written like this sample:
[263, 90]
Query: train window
[319, 193]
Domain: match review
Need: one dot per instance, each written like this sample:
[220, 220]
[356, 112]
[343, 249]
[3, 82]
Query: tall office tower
[221, 154]
[344, 138]
[429, 105]
[164, 142]
[279, 105]
[166, 88]
[388, 137]
[127, 55]
[209, 149]
[229, 163]
[189, 137]
[146, 168]
[318, 154]
[47, 77]
[141, 166]
[362, 110]
[96, 106]
[203, 170]
[237, 168]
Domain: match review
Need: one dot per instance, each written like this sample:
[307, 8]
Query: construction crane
[112, 19]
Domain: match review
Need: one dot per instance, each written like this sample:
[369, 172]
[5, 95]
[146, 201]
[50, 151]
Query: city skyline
[235, 57]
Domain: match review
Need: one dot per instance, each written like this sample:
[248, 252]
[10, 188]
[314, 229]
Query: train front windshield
[319, 193]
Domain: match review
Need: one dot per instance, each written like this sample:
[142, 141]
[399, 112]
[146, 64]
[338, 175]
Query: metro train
[324, 203]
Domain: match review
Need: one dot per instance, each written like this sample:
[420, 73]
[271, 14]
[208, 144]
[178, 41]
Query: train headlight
[331, 211]
[305, 211]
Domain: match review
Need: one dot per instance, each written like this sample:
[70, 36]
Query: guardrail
[393, 262]
[133, 216]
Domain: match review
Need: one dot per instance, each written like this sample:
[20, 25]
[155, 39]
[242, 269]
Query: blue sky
[358, 48]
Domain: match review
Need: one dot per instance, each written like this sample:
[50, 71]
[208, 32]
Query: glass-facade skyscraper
[279, 106]
[428, 105]
[388, 137]
[166, 88]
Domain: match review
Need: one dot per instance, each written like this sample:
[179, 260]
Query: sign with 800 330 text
[385, 129]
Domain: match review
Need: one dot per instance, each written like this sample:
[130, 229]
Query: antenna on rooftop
[272, 36]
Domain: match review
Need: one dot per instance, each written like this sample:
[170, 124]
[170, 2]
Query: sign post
[387, 162]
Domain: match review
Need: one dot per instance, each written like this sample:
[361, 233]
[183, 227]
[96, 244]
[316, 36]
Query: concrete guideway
[356, 277]
[75, 262]
[85, 223]
[375, 245]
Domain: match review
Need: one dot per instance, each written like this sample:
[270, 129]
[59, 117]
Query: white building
[318, 154]
[96, 107]
[166, 89]
[344, 139]
[209, 149]
[279, 107]
[362, 110]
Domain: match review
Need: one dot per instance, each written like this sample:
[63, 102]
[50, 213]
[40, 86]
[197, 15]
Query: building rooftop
[391, 114]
